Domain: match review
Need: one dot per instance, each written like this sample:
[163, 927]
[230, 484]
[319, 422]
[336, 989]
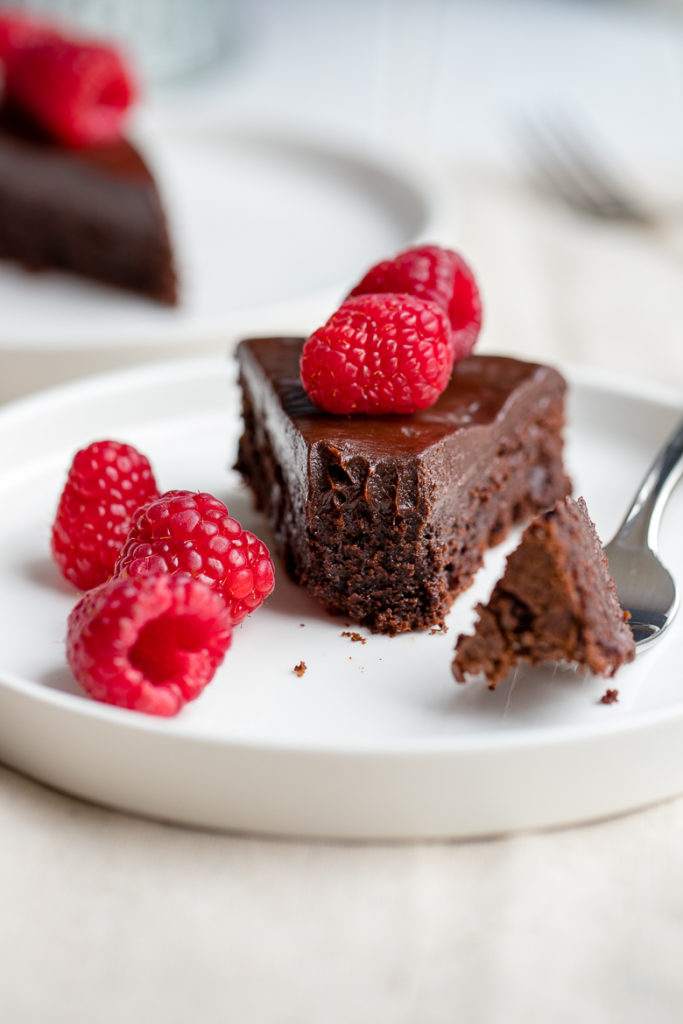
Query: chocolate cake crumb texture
[386, 526]
[556, 602]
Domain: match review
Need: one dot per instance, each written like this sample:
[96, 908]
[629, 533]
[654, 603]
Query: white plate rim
[154, 375]
[394, 790]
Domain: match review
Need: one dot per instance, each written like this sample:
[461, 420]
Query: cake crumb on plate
[354, 637]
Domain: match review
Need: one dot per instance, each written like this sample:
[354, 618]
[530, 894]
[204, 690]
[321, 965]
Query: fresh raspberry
[106, 483]
[438, 274]
[77, 92]
[17, 30]
[149, 644]
[189, 532]
[379, 354]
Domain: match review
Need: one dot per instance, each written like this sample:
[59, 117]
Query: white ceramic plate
[269, 232]
[375, 740]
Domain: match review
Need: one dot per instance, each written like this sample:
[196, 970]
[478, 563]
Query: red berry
[149, 644]
[379, 354]
[17, 30]
[107, 482]
[183, 531]
[438, 274]
[77, 92]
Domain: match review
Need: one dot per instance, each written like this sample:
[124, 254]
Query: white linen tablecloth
[106, 918]
[109, 919]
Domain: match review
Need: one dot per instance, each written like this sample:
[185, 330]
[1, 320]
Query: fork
[645, 588]
[569, 165]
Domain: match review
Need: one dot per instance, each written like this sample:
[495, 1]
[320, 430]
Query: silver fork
[569, 165]
[644, 587]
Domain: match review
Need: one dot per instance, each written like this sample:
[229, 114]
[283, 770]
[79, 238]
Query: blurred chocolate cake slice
[93, 211]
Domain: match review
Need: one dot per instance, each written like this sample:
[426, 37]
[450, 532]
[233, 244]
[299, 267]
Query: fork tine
[611, 191]
[557, 176]
[571, 167]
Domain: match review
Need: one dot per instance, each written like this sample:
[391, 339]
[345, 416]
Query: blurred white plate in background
[269, 232]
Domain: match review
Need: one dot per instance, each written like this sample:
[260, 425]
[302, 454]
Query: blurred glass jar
[166, 38]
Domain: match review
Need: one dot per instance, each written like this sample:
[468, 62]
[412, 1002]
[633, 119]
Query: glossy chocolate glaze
[479, 390]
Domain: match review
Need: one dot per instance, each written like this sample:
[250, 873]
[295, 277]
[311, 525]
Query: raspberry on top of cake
[385, 455]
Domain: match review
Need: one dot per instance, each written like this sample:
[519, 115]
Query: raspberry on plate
[149, 644]
[189, 532]
[106, 483]
[441, 275]
[77, 92]
[379, 354]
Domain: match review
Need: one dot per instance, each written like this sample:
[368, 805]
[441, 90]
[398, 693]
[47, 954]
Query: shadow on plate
[61, 679]
[44, 572]
[527, 691]
[295, 603]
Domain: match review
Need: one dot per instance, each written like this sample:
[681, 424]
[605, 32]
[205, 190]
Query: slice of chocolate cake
[94, 211]
[385, 519]
[556, 601]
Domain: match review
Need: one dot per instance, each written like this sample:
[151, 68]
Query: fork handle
[641, 525]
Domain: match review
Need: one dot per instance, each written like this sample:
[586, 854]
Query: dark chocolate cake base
[556, 602]
[95, 212]
[386, 519]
